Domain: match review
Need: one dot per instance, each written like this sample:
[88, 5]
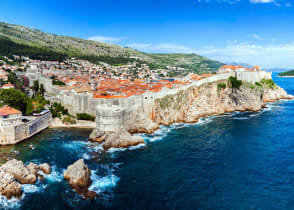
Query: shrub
[69, 120]
[221, 86]
[257, 83]
[85, 116]
[235, 83]
[268, 82]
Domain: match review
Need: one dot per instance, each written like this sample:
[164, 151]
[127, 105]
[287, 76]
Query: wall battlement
[85, 103]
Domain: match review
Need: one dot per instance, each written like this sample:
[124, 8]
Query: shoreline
[287, 76]
[219, 114]
[57, 123]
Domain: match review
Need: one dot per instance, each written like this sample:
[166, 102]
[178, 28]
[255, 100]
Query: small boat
[32, 147]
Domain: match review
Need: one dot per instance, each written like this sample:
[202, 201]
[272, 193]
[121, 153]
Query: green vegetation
[85, 116]
[16, 99]
[36, 86]
[287, 73]
[57, 110]
[268, 83]
[69, 120]
[258, 84]
[235, 83]
[57, 82]
[40, 102]
[43, 46]
[221, 86]
[9, 48]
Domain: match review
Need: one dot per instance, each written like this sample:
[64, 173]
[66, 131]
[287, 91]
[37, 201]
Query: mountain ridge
[99, 51]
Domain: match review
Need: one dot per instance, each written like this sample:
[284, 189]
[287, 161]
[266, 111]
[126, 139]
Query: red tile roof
[6, 110]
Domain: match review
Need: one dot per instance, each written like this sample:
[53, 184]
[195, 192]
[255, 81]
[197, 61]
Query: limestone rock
[12, 189]
[8, 185]
[97, 136]
[121, 139]
[33, 168]
[141, 124]
[45, 167]
[14, 172]
[78, 176]
[19, 171]
[189, 105]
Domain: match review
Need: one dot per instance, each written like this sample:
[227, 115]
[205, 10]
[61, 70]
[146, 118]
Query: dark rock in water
[78, 176]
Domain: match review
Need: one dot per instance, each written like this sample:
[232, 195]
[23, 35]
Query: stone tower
[93, 84]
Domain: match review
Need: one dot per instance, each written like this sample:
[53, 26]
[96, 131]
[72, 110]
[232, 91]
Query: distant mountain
[16, 39]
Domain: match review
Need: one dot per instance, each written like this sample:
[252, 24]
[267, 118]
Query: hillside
[287, 73]
[26, 40]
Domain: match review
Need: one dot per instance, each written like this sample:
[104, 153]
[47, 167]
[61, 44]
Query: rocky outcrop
[118, 139]
[78, 176]
[14, 173]
[121, 139]
[97, 136]
[8, 185]
[196, 102]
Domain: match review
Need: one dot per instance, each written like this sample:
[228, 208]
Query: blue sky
[258, 32]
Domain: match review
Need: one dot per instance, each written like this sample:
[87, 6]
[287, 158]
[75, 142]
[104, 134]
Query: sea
[239, 160]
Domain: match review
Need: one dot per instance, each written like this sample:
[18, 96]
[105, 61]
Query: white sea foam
[86, 156]
[113, 150]
[12, 203]
[102, 184]
[31, 188]
[54, 176]
[75, 145]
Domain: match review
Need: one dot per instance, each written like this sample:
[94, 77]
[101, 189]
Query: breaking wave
[102, 184]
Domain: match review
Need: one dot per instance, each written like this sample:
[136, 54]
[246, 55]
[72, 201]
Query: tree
[36, 86]
[42, 90]
[235, 84]
[16, 99]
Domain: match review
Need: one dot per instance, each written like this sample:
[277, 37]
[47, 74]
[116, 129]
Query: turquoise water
[234, 161]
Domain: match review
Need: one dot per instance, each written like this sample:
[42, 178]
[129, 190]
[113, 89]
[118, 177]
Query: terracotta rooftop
[6, 110]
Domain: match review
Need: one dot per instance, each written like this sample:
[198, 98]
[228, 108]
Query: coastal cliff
[187, 106]
[214, 98]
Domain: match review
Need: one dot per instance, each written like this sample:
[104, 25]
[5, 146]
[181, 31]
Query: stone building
[15, 128]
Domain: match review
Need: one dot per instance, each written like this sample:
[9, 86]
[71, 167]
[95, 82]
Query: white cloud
[161, 48]
[277, 3]
[105, 39]
[266, 56]
[261, 1]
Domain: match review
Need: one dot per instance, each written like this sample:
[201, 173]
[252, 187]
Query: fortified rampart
[13, 134]
[85, 103]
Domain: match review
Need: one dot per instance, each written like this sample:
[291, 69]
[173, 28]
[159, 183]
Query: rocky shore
[196, 102]
[119, 139]
[189, 106]
[14, 173]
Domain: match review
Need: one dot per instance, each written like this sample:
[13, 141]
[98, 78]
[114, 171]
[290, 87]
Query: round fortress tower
[110, 117]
